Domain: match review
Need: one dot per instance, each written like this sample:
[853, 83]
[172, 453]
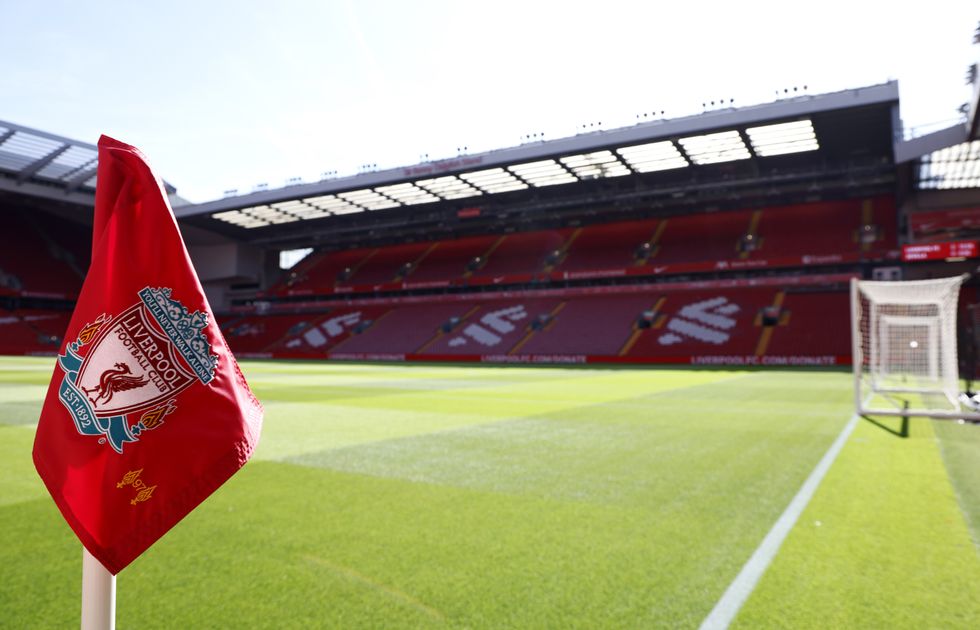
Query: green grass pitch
[414, 496]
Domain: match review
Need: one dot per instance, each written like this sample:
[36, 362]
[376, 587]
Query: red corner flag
[147, 413]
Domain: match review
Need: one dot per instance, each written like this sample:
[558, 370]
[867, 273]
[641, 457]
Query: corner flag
[147, 413]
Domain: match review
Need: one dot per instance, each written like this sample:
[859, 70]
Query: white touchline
[744, 583]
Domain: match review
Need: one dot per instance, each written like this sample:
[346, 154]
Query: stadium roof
[954, 167]
[655, 152]
[41, 164]
[949, 158]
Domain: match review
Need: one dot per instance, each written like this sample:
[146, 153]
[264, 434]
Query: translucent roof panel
[448, 187]
[655, 156]
[595, 165]
[333, 204]
[494, 180]
[713, 148]
[542, 173]
[35, 156]
[954, 167]
[369, 199]
[270, 214]
[301, 210]
[257, 216]
[22, 149]
[239, 218]
[290, 206]
[408, 194]
[71, 161]
[309, 212]
[792, 137]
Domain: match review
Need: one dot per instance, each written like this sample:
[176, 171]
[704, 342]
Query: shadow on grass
[903, 432]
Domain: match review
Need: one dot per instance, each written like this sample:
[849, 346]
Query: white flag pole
[98, 595]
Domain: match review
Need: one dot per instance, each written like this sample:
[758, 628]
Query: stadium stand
[407, 329]
[838, 227]
[32, 331]
[812, 323]
[944, 225]
[322, 271]
[701, 237]
[669, 324]
[48, 326]
[256, 333]
[35, 257]
[494, 327]
[728, 237]
[590, 325]
[780, 236]
[712, 323]
[748, 324]
[315, 336]
[608, 246]
[16, 337]
[448, 261]
[522, 252]
[67, 241]
[389, 264]
[658, 325]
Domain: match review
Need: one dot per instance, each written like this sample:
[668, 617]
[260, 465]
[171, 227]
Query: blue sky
[226, 95]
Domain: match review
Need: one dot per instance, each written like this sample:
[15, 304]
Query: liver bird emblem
[115, 380]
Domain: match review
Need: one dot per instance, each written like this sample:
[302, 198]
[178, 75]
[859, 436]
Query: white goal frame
[903, 337]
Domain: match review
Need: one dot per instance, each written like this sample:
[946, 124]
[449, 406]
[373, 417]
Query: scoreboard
[939, 251]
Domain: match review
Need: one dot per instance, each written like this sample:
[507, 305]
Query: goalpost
[904, 341]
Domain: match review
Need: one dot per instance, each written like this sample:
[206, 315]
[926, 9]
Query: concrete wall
[223, 265]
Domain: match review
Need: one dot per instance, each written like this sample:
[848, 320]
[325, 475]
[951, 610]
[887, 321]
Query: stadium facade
[728, 237]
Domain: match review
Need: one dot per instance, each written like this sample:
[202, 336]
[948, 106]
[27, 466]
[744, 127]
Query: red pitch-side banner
[572, 359]
[147, 413]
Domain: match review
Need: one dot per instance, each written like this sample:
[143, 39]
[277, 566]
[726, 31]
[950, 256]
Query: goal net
[970, 346]
[904, 338]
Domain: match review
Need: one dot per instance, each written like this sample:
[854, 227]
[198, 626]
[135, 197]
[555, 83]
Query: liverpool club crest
[124, 372]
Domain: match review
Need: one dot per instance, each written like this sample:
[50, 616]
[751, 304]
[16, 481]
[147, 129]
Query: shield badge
[131, 366]
[123, 372]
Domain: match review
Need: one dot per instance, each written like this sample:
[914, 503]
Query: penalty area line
[744, 583]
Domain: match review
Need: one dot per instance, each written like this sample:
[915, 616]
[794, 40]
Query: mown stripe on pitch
[744, 583]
